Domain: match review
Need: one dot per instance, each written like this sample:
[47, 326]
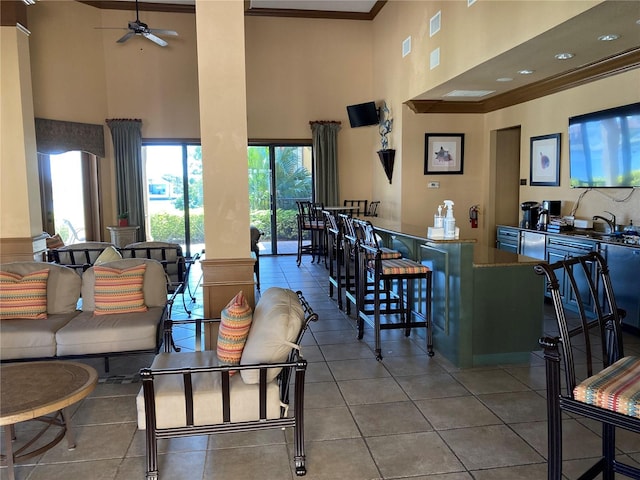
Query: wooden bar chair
[610, 393]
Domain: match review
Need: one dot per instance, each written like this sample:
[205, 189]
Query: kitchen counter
[593, 235]
[487, 304]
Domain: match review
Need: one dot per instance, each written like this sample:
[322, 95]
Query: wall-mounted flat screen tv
[363, 114]
[604, 148]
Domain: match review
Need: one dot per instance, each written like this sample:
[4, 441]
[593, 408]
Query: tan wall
[299, 70]
[81, 74]
[550, 115]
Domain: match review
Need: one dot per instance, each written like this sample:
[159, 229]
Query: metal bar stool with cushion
[588, 338]
[310, 220]
[359, 206]
[335, 254]
[385, 273]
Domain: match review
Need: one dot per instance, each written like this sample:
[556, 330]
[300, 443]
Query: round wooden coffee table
[33, 391]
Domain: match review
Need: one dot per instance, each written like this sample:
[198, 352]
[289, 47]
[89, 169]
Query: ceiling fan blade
[155, 39]
[163, 32]
[126, 37]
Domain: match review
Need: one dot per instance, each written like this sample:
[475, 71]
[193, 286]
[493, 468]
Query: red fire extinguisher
[473, 216]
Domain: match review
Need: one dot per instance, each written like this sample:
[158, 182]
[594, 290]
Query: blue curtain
[325, 155]
[127, 147]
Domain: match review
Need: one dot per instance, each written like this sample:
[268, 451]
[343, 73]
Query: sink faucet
[611, 222]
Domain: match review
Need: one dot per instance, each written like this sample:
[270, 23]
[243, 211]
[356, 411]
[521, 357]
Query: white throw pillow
[109, 254]
[277, 320]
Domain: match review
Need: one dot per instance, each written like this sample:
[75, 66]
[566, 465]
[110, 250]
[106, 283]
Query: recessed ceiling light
[609, 37]
[525, 71]
[468, 93]
[504, 79]
[564, 56]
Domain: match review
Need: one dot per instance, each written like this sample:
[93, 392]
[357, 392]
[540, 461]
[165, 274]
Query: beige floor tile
[322, 394]
[437, 385]
[535, 471]
[268, 462]
[371, 390]
[489, 447]
[389, 418]
[412, 454]
[422, 364]
[516, 407]
[327, 424]
[101, 410]
[340, 459]
[341, 352]
[358, 369]
[456, 412]
[138, 446]
[171, 466]
[97, 470]
[489, 381]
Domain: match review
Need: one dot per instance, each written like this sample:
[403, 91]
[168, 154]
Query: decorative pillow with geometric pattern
[234, 328]
[119, 291]
[24, 296]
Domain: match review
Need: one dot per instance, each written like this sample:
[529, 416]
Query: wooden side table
[33, 391]
[123, 236]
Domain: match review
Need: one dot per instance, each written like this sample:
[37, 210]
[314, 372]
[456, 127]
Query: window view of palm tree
[174, 195]
[279, 175]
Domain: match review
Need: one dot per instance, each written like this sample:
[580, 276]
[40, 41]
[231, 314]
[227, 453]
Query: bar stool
[309, 219]
[335, 254]
[386, 272]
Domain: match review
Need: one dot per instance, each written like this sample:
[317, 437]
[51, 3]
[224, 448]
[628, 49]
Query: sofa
[242, 385]
[101, 324]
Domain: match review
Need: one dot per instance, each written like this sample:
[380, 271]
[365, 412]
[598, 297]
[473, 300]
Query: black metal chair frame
[370, 265]
[359, 206]
[295, 363]
[336, 256]
[586, 280]
[310, 219]
[372, 209]
[80, 259]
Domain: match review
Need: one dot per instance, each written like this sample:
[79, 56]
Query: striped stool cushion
[402, 266]
[615, 388]
[385, 254]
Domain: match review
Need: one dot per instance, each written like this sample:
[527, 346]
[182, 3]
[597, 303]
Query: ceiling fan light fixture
[609, 37]
[564, 56]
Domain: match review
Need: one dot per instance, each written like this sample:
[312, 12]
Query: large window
[174, 196]
[69, 196]
[279, 175]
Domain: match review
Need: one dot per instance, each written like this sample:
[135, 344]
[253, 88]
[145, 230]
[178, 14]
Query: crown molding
[606, 67]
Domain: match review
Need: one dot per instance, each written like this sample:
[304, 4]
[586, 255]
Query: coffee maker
[529, 215]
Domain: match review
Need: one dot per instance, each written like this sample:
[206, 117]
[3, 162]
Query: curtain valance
[57, 136]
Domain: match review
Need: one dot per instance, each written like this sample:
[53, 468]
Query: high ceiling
[592, 58]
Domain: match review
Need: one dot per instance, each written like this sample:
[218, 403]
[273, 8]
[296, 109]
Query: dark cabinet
[624, 268]
[561, 248]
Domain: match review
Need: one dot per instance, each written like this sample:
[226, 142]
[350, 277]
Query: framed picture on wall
[545, 160]
[443, 153]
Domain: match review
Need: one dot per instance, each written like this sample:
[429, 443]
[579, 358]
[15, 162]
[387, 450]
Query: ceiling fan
[139, 28]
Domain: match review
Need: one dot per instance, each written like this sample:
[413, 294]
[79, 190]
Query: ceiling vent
[468, 93]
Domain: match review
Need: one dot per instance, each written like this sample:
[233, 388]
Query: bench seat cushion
[122, 332]
[615, 388]
[29, 338]
[207, 394]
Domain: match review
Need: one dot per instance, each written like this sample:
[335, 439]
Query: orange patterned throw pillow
[119, 291]
[23, 296]
[234, 328]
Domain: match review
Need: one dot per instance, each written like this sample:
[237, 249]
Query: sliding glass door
[174, 197]
[279, 175]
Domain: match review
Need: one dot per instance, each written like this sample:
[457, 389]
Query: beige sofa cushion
[29, 338]
[154, 288]
[207, 394]
[277, 320]
[87, 333]
[63, 284]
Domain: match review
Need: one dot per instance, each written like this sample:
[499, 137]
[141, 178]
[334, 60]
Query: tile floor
[409, 416]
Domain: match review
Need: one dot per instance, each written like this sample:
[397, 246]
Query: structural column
[228, 266]
[20, 217]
